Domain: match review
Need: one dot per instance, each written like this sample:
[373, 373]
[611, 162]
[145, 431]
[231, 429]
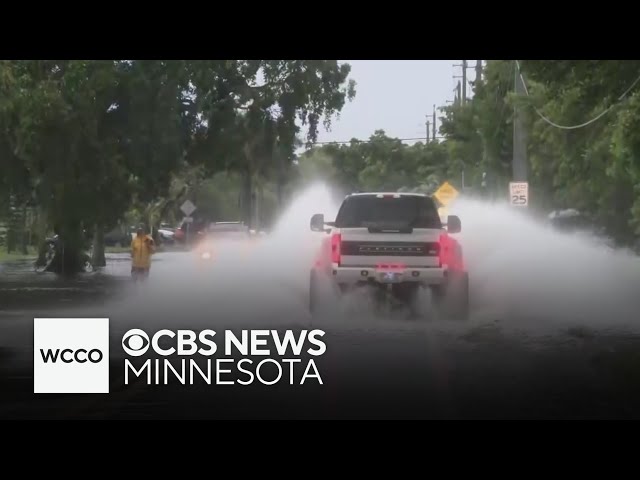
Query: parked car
[166, 234]
[194, 230]
[118, 237]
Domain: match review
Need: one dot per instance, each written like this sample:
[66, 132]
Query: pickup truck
[395, 243]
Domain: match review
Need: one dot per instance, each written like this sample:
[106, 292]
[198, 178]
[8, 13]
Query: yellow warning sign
[446, 194]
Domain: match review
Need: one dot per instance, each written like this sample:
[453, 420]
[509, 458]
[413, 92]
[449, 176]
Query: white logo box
[76, 355]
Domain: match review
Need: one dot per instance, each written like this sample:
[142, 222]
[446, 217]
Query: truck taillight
[451, 254]
[443, 250]
[336, 240]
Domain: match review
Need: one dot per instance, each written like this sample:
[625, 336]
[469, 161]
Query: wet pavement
[21, 286]
[498, 365]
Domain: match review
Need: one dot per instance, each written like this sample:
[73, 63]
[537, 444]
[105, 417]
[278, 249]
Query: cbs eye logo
[135, 342]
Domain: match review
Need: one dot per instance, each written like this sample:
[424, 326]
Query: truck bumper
[355, 275]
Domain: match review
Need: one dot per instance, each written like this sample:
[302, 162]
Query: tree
[85, 140]
[594, 167]
[91, 134]
[252, 108]
[382, 163]
[479, 134]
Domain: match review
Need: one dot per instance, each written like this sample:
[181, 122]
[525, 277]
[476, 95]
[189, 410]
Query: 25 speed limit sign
[519, 194]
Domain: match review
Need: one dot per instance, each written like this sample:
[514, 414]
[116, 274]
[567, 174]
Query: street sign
[188, 208]
[188, 220]
[519, 194]
[446, 194]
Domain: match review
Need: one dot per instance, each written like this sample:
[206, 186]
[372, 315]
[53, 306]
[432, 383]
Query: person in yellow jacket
[142, 247]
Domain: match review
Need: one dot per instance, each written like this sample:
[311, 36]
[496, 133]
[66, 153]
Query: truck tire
[409, 294]
[452, 298]
[323, 294]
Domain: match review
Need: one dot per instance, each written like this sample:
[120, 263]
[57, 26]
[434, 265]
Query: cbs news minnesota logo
[71, 355]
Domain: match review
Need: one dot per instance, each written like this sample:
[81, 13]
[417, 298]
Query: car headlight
[206, 255]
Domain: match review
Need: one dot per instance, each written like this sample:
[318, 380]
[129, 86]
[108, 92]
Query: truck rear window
[370, 211]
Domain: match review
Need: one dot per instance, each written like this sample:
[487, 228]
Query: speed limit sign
[519, 194]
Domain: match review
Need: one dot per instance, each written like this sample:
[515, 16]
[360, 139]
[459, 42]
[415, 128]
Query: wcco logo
[71, 355]
[81, 355]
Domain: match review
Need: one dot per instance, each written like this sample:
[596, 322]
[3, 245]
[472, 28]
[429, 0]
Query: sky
[395, 96]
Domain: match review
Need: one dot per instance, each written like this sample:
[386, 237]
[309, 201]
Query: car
[570, 220]
[395, 243]
[220, 235]
[166, 234]
[229, 230]
[190, 231]
[117, 237]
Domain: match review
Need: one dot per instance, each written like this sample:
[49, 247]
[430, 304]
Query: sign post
[445, 194]
[187, 208]
[519, 194]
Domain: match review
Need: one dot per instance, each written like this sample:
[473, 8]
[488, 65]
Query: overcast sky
[395, 96]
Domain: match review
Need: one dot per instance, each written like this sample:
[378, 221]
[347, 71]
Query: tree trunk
[281, 181]
[42, 250]
[71, 256]
[13, 231]
[98, 259]
[25, 235]
[254, 211]
[279, 191]
[260, 211]
[247, 197]
[11, 240]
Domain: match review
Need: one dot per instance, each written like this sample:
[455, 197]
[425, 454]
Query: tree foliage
[83, 141]
[593, 168]
[381, 163]
[86, 140]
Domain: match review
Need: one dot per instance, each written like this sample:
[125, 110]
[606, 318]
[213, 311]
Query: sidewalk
[20, 285]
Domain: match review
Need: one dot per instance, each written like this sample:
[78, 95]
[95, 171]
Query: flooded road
[553, 332]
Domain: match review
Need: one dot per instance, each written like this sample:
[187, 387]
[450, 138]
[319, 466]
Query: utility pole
[478, 71]
[458, 93]
[464, 81]
[435, 131]
[256, 221]
[519, 135]
[462, 95]
[428, 138]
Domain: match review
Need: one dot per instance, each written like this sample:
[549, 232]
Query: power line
[369, 141]
[574, 127]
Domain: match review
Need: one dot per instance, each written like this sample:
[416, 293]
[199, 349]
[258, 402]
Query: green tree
[91, 134]
[261, 103]
[381, 163]
[594, 167]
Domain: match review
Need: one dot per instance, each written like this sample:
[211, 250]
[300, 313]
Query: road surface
[553, 335]
[374, 367]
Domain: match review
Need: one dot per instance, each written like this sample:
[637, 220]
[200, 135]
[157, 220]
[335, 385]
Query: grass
[17, 255]
[126, 249]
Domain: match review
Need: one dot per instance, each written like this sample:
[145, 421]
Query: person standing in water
[142, 248]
